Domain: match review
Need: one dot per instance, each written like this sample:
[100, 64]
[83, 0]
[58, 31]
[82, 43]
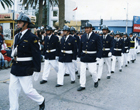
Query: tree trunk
[40, 13]
[61, 13]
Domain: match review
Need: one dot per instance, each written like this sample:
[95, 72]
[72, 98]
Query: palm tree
[8, 3]
[61, 13]
[60, 3]
[41, 4]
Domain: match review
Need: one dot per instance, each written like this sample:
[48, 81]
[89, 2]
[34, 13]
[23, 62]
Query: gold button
[16, 62]
[64, 47]
[23, 46]
[64, 54]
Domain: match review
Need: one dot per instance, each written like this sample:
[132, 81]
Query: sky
[106, 9]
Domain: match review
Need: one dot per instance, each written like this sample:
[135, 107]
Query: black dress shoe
[125, 65]
[128, 62]
[112, 71]
[66, 75]
[78, 76]
[108, 77]
[43, 81]
[81, 88]
[96, 84]
[76, 72]
[99, 79]
[42, 106]
[132, 61]
[120, 70]
[58, 85]
[72, 82]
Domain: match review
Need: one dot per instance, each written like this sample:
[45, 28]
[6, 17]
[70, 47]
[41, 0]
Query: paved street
[121, 92]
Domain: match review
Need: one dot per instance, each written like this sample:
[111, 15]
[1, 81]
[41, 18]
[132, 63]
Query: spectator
[4, 46]
[1, 61]
[7, 60]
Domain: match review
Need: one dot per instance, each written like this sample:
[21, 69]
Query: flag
[75, 9]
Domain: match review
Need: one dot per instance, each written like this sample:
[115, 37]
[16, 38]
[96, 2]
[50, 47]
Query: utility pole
[126, 18]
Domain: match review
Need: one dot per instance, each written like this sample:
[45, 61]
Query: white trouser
[122, 59]
[67, 71]
[92, 67]
[15, 87]
[47, 67]
[138, 50]
[125, 58]
[61, 71]
[75, 65]
[132, 54]
[119, 58]
[101, 64]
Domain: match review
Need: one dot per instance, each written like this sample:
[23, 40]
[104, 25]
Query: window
[54, 23]
[54, 13]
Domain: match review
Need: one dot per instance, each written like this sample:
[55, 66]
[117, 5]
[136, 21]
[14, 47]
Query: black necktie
[87, 36]
[19, 37]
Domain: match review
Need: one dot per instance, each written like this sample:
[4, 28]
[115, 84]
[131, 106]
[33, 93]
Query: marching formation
[91, 50]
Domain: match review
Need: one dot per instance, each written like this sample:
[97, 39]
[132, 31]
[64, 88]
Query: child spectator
[7, 60]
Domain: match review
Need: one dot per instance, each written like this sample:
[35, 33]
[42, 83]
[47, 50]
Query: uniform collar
[50, 36]
[89, 34]
[104, 36]
[23, 32]
[67, 37]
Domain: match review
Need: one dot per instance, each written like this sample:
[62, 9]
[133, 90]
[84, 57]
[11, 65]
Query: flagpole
[75, 17]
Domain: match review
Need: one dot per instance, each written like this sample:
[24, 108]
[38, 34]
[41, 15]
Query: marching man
[51, 52]
[126, 49]
[118, 51]
[90, 50]
[107, 47]
[68, 52]
[132, 52]
[27, 59]
[72, 29]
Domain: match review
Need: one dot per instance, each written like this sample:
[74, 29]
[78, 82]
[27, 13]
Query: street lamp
[126, 18]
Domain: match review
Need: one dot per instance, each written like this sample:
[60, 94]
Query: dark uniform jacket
[118, 47]
[107, 45]
[126, 45]
[50, 44]
[27, 46]
[93, 44]
[132, 43]
[77, 38]
[69, 45]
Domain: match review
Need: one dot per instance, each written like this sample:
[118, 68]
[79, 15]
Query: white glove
[127, 50]
[78, 59]
[121, 54]
[36, 76]
[43, 56]
[97, 60]
[56, 58]
[73, 60]
[109, 54]
[14, 52]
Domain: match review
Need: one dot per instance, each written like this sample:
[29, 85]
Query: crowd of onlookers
[5, 54]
